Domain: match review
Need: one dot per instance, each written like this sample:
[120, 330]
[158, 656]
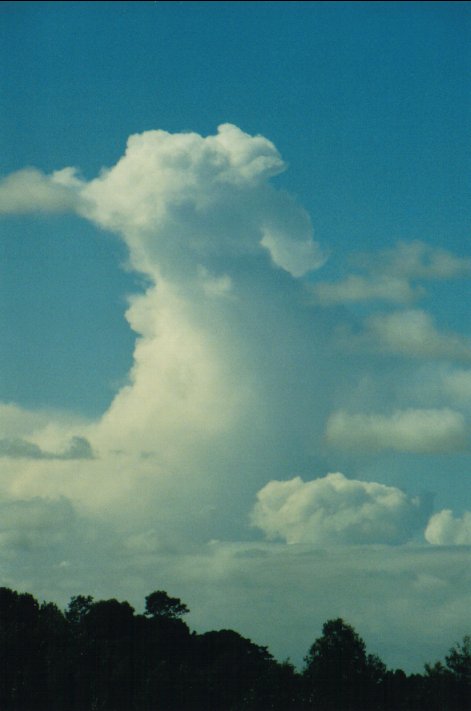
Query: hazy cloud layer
[336, 510]
[31, 524]
[407, 602]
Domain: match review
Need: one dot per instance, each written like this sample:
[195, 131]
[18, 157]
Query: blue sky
[252, 339]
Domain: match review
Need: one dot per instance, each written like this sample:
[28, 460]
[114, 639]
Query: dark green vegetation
[101, 656]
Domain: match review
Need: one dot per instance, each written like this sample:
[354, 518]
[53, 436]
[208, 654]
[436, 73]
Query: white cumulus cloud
[182, 199]
[336, 510]
[444, 529]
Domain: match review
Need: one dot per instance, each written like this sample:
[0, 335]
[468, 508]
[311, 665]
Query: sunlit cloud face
[183, 201]
[445, 529]
[336, 510]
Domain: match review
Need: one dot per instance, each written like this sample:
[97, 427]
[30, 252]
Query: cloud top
[182, 200]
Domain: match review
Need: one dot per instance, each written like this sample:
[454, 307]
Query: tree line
[102, 656]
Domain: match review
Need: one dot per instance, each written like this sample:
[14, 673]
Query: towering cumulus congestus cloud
[181, 199]
[221, 328]
[202, 221]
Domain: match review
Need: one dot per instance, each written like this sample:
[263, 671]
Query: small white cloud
[419, 260]
[18, 448]
[412, 333]
[390, 275]
[29, 190]
[413, 430]
[336, 510]
[445, 530]
[357, 288]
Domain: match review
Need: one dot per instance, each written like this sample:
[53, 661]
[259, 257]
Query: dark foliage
[102, 656]
[339, 674]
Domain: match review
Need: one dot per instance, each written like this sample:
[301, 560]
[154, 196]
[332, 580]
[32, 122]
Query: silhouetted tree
[159, 604]
[55, 648]
[19, 649]
[339, 674]
[458, 661]
[79, 606]
[232, 673]
[395, 691]
[101, 656]
[449, 686]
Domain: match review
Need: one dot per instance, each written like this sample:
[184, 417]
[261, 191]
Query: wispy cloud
[457, 384]
[17, 448]
[410, 334]
[412, 430]
[392, 275]
[416, 260]
[355, 288]
[29, 191]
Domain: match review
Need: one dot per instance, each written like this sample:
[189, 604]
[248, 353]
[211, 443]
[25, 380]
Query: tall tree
[338, 672]
[160, 604]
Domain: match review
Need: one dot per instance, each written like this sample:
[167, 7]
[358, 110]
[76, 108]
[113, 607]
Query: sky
[235, 272]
